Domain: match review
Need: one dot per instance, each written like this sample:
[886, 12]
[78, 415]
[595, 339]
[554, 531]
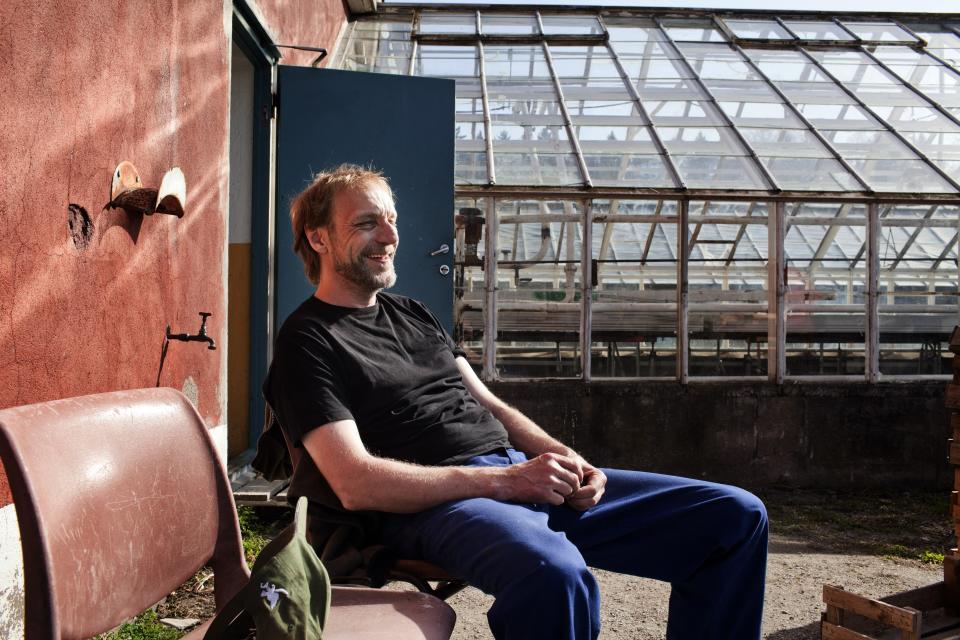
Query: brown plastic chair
[121, 497]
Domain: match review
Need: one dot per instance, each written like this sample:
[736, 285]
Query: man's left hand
[591, 488]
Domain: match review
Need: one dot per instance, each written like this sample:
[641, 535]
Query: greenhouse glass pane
[693, 30]
[937, 145]
[543, 139]
[508, 24]
[914, 118]
[469, 167]
[815, 92]
[395, 66]
[701, 141]
[929, 78]
[913, 176]
[469, 130]
[623, 29]
[838, 116]
[868, 144]
[636, 264]
[898, 55]
[879, 31]
[810, 174]
[448, 23]
[645, 49]
[536, 168]
[583, 62]
[614, 134]
[717, 61]
[897, 95]
[517, 63]
[797, 143]
[758, 29]
[817, 30]
[792, 71]
[680, 113]
[627, 170]
[385, 27]
[604, 112]
[857, 74]
[761, 114]
[941, 43]
[442, 61]
[719, 172]
[468, 105]
[670, 89]
[638, 69]
[571, 25]
[839, 56]
[742, 91]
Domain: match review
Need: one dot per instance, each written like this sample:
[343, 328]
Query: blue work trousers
[709, 541]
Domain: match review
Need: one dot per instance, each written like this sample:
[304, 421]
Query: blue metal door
[401, 125]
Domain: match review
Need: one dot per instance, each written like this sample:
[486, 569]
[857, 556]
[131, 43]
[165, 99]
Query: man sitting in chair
[395, 419]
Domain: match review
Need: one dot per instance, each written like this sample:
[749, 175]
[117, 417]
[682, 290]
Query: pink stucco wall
[86, 85]
[312, 23]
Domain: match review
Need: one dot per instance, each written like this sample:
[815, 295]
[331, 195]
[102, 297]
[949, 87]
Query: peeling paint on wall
[190, 390]
[11, 576]
[80, 226]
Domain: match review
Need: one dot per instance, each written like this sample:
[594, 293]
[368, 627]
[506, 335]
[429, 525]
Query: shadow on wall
[67, 305]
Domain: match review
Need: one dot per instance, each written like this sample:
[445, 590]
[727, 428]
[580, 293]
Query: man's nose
[387, 233]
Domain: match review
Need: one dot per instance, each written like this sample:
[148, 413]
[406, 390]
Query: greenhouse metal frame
[691, 194]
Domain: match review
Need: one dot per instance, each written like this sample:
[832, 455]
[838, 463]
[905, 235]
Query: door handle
[444, 248]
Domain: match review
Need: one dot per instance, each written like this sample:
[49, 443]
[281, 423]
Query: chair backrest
[120, 498]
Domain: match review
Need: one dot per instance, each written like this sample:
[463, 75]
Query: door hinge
[270, 110]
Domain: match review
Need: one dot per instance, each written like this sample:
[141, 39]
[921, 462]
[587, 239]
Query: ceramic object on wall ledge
[128, 193]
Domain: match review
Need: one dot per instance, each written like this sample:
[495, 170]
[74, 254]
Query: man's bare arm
[529, 437]
[363, 481]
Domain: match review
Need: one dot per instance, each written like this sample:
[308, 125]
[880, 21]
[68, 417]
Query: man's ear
[319, 239]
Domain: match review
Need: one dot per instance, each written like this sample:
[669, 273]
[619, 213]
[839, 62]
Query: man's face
[363, 237]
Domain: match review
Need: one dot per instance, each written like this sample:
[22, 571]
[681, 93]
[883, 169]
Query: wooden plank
[834, 615]
[954, 452]
[830, 631]
[955, 416]
[872, 609]
[955, 340]
[923, 598]
[951, 399]
[951, 583]
[259, 490]
[914, 633]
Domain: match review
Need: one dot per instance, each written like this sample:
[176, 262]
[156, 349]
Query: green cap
[288, 596]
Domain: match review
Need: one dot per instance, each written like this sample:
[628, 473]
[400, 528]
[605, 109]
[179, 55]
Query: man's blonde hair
[313, 208]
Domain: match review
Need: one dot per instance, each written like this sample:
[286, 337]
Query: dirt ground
[869, 543]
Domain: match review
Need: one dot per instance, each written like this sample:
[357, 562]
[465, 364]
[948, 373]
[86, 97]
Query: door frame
[253, 39]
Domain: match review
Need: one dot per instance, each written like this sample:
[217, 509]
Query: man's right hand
[549, 478]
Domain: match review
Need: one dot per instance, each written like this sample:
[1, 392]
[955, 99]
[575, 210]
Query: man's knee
[745, 510]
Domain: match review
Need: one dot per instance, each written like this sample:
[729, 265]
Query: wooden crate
[931, 612]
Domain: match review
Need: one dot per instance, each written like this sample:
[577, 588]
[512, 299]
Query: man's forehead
[369, 197]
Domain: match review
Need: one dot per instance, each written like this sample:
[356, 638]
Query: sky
[835, 6]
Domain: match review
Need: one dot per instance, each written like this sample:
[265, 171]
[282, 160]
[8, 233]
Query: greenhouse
[686, 195]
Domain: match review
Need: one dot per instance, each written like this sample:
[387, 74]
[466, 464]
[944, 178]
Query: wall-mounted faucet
[200, 336]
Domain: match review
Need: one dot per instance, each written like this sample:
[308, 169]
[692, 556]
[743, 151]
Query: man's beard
[360, 273]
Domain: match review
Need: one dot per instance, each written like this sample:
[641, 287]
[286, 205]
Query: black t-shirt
[391, 369]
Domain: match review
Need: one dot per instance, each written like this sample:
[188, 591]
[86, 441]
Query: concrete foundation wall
[888, 435]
